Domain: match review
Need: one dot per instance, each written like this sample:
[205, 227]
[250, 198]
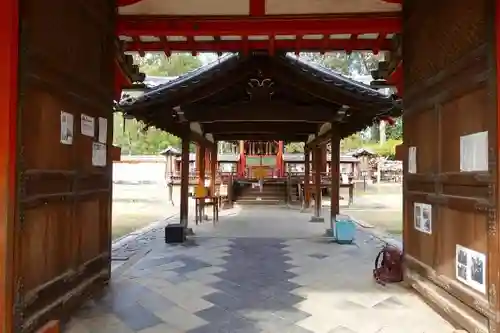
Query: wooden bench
[350, 186]
[201, 203]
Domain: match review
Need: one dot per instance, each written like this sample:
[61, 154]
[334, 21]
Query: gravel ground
[136, 206]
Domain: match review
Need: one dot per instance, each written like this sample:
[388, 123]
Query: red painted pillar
[243, 163]
[279, 160]
[9, 34]
[208, 163]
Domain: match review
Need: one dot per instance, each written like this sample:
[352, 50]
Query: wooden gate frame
[9, 34]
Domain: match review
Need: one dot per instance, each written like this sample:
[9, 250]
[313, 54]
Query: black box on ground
[174, 233]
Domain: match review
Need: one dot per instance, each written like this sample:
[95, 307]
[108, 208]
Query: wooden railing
[223, 177]
[220, 177]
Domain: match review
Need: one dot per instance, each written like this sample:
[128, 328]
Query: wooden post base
[317, 219]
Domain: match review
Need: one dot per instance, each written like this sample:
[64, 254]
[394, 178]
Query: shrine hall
[261, 268]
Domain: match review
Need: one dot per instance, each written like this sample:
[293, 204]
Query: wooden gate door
[64, 165]
[451, 234]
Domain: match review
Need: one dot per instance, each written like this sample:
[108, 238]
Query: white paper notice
[103, 130]
[66, 128]
[474, 152]
[471, 268]
[422, 217]
[412, 160]
[87, 125]
[98, 154]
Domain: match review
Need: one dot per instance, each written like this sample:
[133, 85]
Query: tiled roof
[183, 81]
[228, 62]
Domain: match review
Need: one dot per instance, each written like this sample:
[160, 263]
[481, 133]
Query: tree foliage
[133, 140]
[129, 134]
[295, 147]
[395, 131]
[157, 64]
[352, 142]
[388, 149]
[361, 63]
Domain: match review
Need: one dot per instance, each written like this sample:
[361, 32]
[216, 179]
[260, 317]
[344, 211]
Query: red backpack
[389, 265]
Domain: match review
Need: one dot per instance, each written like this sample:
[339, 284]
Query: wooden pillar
[201, 165]
[213, 168]
[317, 181]
[335, 174]
[323, 156]
[200, 158]
[307, 179]
[241, 171]
[184, 181]
[230, 194]
[9, 34]
[197, 160]
[280, 163]
[208, 163]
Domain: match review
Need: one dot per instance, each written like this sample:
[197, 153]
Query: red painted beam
[286, 45]
[176, 26]
[257, 7]
[122, 3]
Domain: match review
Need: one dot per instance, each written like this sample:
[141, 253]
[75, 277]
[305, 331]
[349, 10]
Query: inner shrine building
[64, 65]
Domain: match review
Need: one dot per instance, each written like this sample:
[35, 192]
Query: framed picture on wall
[422, 217]
[471, 268]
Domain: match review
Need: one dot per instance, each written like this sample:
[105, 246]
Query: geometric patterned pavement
[255, 284]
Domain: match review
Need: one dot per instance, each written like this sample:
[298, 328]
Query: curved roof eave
[319, 73]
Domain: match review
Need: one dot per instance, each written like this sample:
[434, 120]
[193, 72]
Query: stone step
[256, 197]
[262, 194]
[259, 202]
[274, 188]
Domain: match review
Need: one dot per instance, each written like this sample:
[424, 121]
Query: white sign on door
[66, 128]
[87, 125]
[98, 154]
[103, 130]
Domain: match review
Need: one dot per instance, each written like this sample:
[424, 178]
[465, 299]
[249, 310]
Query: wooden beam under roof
[220, 45]
[271, 111]
[137, 25]
[288, 137]
[260, 127]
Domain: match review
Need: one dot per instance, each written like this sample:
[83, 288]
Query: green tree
[347, 64]
[388, 149]
[129, 134]
[352, 142]
[133, 140]
[295, 147]
[158, 64]
[395, 131]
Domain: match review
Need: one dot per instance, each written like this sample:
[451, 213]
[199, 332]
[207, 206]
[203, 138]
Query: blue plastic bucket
[345, 230]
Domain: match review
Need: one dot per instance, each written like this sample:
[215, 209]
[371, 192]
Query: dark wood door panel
[64, 202]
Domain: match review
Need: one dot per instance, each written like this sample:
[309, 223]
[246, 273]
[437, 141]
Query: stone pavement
[258, 270]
